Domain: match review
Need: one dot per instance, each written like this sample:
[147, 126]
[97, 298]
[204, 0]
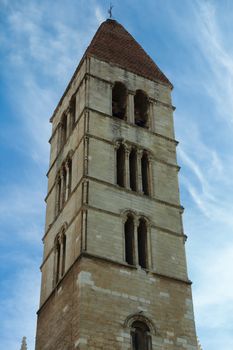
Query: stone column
[130, 107]
[57, 189]
[86, 153]
[59, 137]
[139, 171]
[150, 175]
[116, 146]
[69, 126]
[62, 189]
[149, 254]
[127, 174]
[67, 180]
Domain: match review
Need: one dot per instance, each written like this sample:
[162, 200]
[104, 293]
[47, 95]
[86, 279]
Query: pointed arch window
[121, 166]
[141, 107]
[145, 173]
[119, 100]
[140, 336]
[129, 240]
[142, 244]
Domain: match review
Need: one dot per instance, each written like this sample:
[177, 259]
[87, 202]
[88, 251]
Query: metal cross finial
[110, 10]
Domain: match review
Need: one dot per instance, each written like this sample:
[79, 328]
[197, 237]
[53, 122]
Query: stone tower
[114, 272]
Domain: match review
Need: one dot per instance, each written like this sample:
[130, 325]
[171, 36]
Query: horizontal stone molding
[86, 255]
[134, 193]
[134, 125]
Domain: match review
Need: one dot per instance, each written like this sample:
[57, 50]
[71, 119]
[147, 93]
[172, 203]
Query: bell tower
[114, 272]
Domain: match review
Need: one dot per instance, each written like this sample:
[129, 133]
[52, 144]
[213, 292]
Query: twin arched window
[119, 105]
[136, 242]
[63, 184]
[67, 121]
[59, 256]
[133, 169]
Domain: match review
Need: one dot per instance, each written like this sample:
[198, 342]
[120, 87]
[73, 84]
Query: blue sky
[41, 43]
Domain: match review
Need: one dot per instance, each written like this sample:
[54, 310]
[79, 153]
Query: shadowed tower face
[114, 272]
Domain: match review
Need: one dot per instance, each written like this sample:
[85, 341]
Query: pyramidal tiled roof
[112, 43]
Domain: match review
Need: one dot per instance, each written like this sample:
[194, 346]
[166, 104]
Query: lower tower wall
[95, 304]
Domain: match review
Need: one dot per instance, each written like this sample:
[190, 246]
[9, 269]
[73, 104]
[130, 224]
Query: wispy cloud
[41, 44]
[205, 153]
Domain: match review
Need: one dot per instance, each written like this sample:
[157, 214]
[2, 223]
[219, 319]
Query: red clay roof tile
[112, 43]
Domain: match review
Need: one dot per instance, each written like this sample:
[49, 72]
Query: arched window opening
[70, 177]
[129, 240]
[133, 169]
[141, 339]
[72, 112]
[119, 100]
[64, 129]
[63, 254]
[141, 105]
[121, 166]
[58, 195]
[145, 174]
[58, 257]
[142, 244]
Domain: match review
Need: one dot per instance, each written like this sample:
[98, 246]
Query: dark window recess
[133, 169]
[142, 244]
[121, 166]
[72, 112]
[119, 100]
[63, 130]
[141, 340]
[129, 240]
[145, 174]
[141, 105]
